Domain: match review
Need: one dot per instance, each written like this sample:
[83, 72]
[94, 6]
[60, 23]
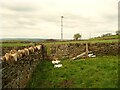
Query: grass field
[108, 39]
[51, 43]
[99, 72]
[90, 41]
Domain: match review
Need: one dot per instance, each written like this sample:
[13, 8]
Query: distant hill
[21, 39]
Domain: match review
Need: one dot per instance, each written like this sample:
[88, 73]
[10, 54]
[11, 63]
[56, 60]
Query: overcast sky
[41, 18]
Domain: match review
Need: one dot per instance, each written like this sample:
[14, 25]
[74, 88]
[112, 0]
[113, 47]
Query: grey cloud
[49, 18]
[111, 18]
[21, 9]
[18, 7]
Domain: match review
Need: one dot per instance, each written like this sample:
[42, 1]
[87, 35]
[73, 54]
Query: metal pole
[61, 28]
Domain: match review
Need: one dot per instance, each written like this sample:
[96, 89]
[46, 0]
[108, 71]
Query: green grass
[106, 37]
[15, 44]
[99, 72]
[90, 41]
[51, 43]
[103, 41]
[112, 37]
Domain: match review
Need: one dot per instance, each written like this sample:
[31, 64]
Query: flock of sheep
[17, 54]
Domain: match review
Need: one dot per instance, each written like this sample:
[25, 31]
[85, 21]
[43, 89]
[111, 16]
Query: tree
[77, 36]
[108, 34]
[118, 32]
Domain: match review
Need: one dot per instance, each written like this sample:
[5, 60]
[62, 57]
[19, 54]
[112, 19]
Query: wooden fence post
[86, 49]
[42, 52]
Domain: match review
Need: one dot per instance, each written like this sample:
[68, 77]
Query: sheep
[93, 56]
[59, 65]
[19, 53]
[23, 52]
[31, 49]
[35, 48]
[12, 51]
[26, 51]
[38, 47]
[7, 56]
[14, 56]
[90, 55]
[55, 62]
[2, 58]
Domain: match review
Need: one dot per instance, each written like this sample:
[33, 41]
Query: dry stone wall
[105, 48]
[64, 51]
[16, 74]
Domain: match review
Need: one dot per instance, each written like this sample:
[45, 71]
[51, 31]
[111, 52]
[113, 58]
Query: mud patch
[66, 83]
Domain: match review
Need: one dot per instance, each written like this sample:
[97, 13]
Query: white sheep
[90, 55]
[55, 62]
[57, 66]
[94, 56]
